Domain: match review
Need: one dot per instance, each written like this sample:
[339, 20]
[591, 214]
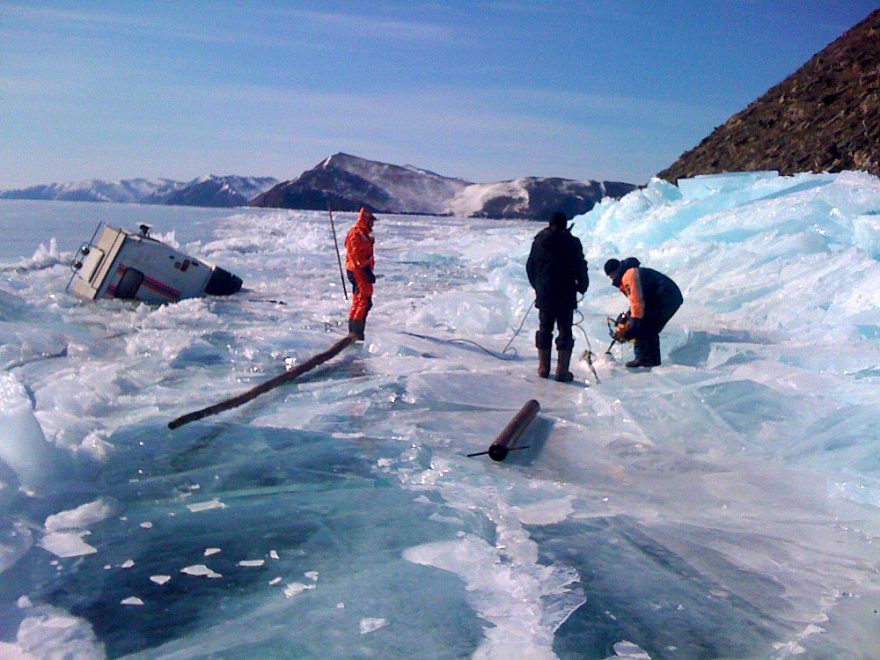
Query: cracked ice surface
[724, 504]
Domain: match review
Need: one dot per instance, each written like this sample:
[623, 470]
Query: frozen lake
[726, 504]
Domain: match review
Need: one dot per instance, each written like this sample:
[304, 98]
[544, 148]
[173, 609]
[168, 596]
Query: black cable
[507, 353]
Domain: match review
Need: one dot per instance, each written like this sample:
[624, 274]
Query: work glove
[631, 329]
[369, 273]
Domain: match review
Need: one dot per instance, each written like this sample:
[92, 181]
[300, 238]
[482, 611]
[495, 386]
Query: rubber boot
[544, 362]
[563, 375]
[357, 327]
[645, 354]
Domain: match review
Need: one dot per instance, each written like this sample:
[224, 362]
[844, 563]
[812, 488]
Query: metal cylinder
[507, 439]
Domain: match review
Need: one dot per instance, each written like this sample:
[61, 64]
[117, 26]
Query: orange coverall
[359, 263]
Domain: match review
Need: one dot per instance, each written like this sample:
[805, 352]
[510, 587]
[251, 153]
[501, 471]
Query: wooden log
[507, 439]
[262, 388]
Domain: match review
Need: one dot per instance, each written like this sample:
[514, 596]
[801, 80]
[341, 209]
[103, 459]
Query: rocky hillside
[349, 182]
[824, 117]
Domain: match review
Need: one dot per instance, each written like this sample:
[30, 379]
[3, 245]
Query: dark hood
[625, 265]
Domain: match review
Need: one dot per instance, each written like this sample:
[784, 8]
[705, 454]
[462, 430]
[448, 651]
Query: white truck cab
[121, 264]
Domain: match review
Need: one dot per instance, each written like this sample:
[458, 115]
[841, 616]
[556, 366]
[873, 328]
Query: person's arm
[530, 266]
[632, 283]
[582, 275]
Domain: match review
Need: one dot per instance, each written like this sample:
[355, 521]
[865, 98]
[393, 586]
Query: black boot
[647, 352]
[563, 359]
[544, 362]
[356, 328]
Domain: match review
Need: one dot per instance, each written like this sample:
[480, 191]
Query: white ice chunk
[296, 588]
[630, 651]
[23, 446]
[211, 551]
[128, 563]
[132, 600]
[160, 579]
[67, 544]
[14, 652]
[206, 506]
[81, 517]
[252, 562]
[200, 570]
[371, 624]
[50, 632]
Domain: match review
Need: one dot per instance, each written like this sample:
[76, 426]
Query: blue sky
[481, 90]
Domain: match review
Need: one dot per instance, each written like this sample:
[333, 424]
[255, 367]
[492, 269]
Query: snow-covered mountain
[211, 190]
[348, 182]
[208, 190]
[533, 197]
[96, 190]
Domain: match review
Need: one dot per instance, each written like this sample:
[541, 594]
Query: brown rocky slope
[825, 117]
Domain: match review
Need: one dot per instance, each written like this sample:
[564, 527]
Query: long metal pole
[262, 388]
[336, 243]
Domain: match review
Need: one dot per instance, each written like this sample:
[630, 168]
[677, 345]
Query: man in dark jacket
[653, 299]
[557, 271]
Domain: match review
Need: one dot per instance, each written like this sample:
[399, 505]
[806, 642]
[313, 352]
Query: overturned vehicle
[121, 264]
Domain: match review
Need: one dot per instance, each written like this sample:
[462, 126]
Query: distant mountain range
[825, 117]
[348, 182]
[226, 191]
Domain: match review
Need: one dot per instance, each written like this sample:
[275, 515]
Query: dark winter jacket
[648, 290]
[557, 269]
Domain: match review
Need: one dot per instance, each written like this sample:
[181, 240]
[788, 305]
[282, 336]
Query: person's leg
[355, 299]
[544, 341]
[648, 341]
[564, 346]
[361, 303]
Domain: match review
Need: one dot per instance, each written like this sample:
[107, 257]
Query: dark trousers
[647, 346]
[563, 320]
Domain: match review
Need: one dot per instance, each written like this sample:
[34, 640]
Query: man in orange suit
[359, 264]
